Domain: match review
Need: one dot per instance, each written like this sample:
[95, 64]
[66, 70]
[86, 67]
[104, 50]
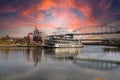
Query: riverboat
[64, 41]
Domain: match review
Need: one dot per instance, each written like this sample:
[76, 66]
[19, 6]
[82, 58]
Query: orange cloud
[45, 5]
[61, 10]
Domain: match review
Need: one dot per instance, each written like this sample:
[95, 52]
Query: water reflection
[111, 49]
[99, 57]
[36, 55]
[99, 65]
[22, 63]
[7, 52]
[62, 53]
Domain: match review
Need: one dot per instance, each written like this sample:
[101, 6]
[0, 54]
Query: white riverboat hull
[64, 46]
[67, 46]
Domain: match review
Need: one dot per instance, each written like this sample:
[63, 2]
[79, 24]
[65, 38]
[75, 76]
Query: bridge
[96, 30]
[93, 33]
[106, 32]
[91, 30]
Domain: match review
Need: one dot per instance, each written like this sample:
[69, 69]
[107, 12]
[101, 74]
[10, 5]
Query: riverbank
[16, 45]
[6, 43]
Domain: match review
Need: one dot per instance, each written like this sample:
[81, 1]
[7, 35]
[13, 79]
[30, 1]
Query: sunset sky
[19, 17]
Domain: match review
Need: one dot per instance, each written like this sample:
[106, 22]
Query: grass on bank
[11, 43]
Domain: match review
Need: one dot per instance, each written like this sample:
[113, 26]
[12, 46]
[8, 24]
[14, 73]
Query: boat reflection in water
[38, 55]
[62, 53]
[37, 52]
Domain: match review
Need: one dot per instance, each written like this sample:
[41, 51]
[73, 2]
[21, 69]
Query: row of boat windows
[50, 44]
[71, 42]
[59, 45]
[58, 42]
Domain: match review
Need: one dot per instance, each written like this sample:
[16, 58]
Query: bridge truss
[112, 30]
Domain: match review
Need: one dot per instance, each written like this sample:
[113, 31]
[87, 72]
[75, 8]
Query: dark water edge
[35, 63]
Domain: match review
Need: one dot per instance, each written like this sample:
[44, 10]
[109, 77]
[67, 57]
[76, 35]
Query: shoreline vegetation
[12, 42]
[7, 43]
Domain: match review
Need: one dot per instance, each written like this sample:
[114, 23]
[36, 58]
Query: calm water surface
[22, 63]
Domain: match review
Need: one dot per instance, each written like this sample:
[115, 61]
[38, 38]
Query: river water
[22, 63]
